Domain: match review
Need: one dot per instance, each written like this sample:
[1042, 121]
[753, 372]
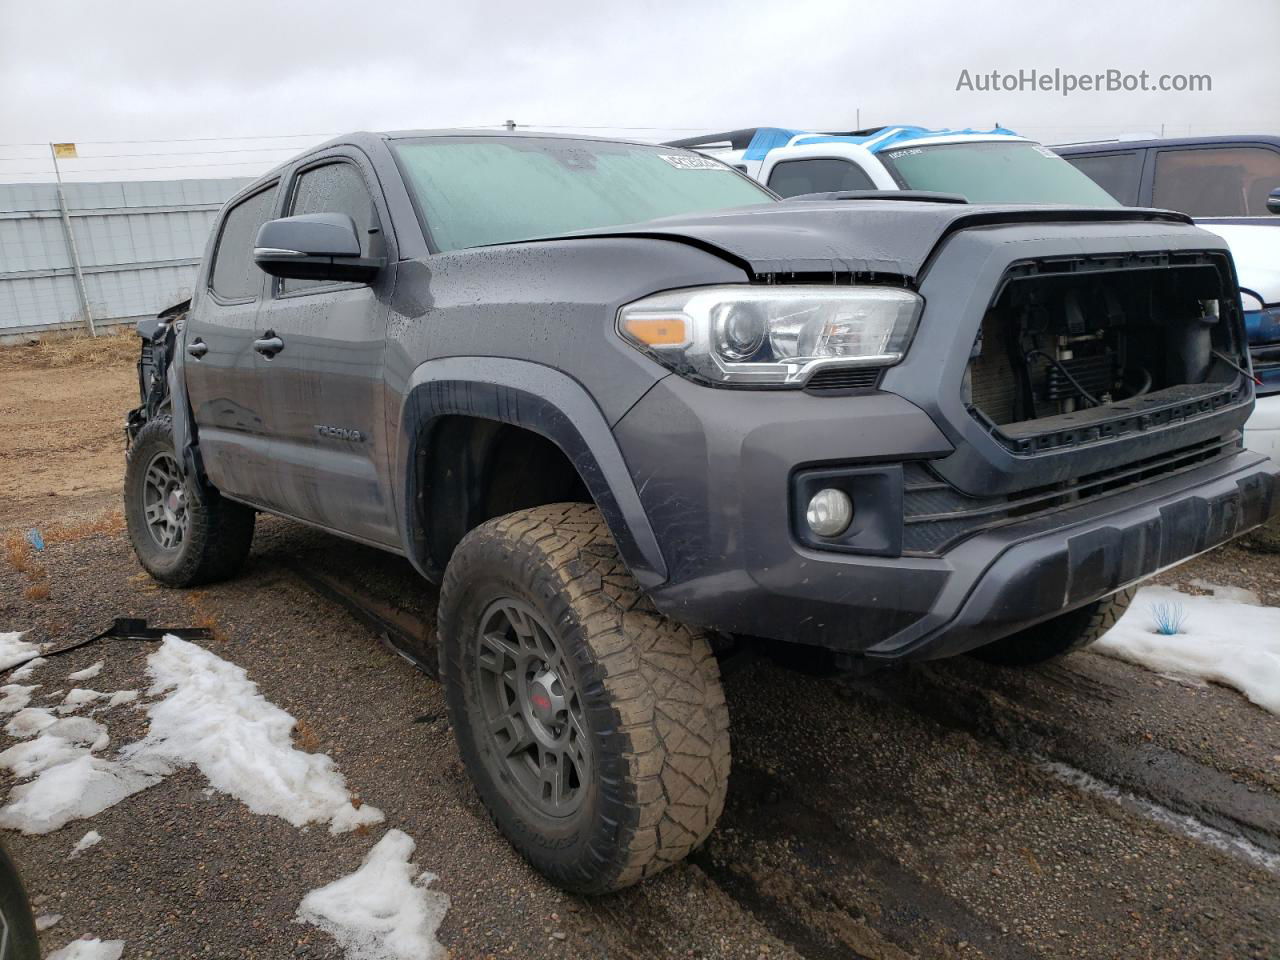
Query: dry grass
[202, 617]
[115, 348]
[70, 531]
[37, 591]
[18, 552]
[22, 557]
[305, 737]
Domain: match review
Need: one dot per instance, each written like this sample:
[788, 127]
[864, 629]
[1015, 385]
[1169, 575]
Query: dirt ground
[952, 810]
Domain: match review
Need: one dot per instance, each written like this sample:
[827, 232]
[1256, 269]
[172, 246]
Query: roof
[758, 141]
[1108, 146]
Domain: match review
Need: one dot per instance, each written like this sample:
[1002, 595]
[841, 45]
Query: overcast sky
[142, 70]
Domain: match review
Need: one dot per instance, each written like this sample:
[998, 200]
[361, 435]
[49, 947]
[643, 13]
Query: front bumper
[713, 469]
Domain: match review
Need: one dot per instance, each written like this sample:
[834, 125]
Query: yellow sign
[64, 150]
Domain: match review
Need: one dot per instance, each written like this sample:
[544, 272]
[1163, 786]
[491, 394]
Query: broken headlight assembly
[775, 336]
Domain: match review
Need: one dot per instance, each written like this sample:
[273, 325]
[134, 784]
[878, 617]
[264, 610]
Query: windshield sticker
[898, 154]
[685, 161]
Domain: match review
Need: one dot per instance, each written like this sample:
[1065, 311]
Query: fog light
[830, 512]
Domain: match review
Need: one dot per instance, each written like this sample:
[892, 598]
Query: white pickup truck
[998, 166]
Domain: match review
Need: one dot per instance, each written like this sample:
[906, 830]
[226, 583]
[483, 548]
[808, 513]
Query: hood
[844, 237]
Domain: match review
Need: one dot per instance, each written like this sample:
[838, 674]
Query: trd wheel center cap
[173, 502]
[546, 699]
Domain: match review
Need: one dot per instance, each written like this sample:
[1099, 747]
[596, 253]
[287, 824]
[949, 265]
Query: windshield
[987, 171]
[474, 191]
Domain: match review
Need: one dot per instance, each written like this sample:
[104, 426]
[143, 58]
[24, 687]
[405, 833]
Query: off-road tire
[1057, 637]
[219, 531]
[654, 708]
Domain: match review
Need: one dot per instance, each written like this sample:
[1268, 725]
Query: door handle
[269, 345]
[197, 348]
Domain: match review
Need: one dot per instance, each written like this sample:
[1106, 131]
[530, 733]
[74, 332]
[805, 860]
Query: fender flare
[542, 400]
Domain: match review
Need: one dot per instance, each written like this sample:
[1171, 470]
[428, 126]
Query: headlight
[771, 336]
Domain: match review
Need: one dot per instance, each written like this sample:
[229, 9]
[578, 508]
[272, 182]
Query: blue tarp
[769, 138]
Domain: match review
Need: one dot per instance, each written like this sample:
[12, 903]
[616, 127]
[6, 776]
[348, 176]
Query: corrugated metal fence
[139, 243]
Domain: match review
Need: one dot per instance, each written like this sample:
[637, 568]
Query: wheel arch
[454, 401]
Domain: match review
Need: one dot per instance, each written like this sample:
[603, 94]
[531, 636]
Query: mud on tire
[214, 533]
[656, 724]
[1063, 634]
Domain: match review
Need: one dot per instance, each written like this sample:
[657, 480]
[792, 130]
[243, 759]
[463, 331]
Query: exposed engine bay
[1078, 342]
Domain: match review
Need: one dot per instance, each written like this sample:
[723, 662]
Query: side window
[234, 275]
[791, 178]
[335, 188]
[1217, 181]
[1116, 173]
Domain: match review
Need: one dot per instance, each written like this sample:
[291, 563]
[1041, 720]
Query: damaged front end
[159, 336]
[1083, 349]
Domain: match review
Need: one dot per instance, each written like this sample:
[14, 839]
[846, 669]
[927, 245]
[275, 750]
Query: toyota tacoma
[625, 405]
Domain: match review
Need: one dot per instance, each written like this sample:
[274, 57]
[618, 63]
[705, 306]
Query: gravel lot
[931, 811]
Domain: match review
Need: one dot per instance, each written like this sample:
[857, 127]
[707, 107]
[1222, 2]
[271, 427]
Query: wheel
[1066, 632]
[183, 532]
[17, 923]
[594, 729]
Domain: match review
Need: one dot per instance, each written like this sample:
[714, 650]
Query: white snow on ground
[78, 698]
[88, 673]
[29, 721]
[122, 696]
[47, 920]
[84, 843]
[384, 910]
[89, 950]
[13, 649]
[27, 669]
[61, 741]
[1222, 639]
[210, 714]
[72, 790]
[213, 716]
[16, 696]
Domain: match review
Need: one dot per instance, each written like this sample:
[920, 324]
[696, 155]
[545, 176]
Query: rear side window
[1217, 181]
[335, 188]
[791, 178]
[1116, 173]
[234, 275]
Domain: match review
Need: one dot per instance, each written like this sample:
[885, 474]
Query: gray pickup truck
[625, 406]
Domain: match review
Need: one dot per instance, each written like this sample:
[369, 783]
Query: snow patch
[88, 673]
[16, 696]
[14, 650]
[94, 949]
[62, 741]
[79, 697]
[72, 790]
[29, 721]
[122, 696]
[90, 839]
[1178, 822]
[47, 920]
[383, 911]
[213, 716]
[1224, 640]
[29, 668]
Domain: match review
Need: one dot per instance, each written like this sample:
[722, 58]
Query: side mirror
[314, 246]
[1273, 201]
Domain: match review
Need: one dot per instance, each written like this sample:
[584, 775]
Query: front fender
[547, 402]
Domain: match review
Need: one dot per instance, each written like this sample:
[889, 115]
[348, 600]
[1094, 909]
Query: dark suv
[626, 405]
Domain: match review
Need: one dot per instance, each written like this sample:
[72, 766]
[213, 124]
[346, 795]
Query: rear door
[325, 387]
[224, 390]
